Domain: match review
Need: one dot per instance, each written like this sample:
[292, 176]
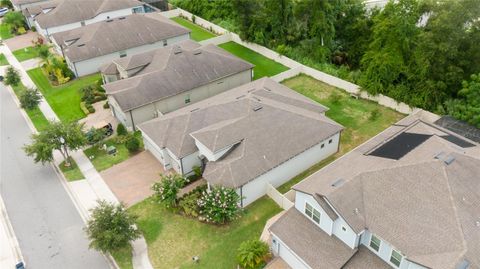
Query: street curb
[12, 238]
[82, 211]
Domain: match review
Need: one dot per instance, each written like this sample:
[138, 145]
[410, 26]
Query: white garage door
[290, 258]
[153, 149]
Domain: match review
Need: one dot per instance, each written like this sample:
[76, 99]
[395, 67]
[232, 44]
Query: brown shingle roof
[265, 138]
[71, 11]
[115, 35]
[172, 70]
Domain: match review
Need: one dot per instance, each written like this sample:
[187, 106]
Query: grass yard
[26, 53]
[64, 99]
[123, 258]
[264, 67]
[173, 239]
[102, 161]
[35, 115]
[72, 172]
[198, 33]
[5, 31]
[3, 60]
[361, 118]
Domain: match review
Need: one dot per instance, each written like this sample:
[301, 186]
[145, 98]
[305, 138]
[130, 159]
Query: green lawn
[72, 172]
[3, 60]
[264, 67]
[123, 258]
[198, 33]
[174, 239]
[26, 53]
[64, 99]
[5, 31]
[102, 161]
[354, 114]
[35, 115]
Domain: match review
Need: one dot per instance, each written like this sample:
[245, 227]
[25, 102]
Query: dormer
[213, 155]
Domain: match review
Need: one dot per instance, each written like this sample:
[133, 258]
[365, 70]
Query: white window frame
[313, 213]
[122, 53]
[379, 243]
[392, 257]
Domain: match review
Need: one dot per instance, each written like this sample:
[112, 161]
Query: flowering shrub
[219, 204]
[167, 188]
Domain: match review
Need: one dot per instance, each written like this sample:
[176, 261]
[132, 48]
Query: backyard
[174, 239]
[361, 118]
[64, 99]
[264, 67]
[198, 33]
[26, 53]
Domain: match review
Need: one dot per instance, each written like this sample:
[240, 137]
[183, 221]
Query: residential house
[143, 86]
[61, 15]
[408, 198]
[246, 138]
[21, 4]
[86, 49]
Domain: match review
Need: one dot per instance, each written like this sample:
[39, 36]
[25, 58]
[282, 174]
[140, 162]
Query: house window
[330, 141]
[137, 10]
[312, 213]
[344, 229]
[396, 258]
[322, 146]
[375, 243]
[165, 42]
[82, 23]
[123, 54]
[187, 98]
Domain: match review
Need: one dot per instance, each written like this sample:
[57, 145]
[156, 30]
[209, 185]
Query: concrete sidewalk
[85, 192]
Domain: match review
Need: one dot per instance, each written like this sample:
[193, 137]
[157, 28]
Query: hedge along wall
[296, 68]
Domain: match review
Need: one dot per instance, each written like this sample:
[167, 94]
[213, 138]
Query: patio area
[131, 180]
[101, 115]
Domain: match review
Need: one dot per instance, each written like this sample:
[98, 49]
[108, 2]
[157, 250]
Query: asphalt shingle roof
[115, 35]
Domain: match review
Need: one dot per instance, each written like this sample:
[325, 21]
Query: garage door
[289, 258]
[153, 149]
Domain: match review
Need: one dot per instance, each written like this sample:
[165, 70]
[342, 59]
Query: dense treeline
[416, 51]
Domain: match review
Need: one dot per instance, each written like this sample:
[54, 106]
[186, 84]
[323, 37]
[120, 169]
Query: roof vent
[439, 155]
[197, 52]
[338, 183]
[81, 45]
[177, 50]
[356, 211]
[240, 97]
[257, 107]
[449, 160]
[193, 110]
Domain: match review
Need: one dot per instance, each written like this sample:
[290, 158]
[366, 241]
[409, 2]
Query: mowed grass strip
[264, 67]
[35, 115]
[198, 33]
[64, 99]
[26, 53]
[174, 239]
[361, 118]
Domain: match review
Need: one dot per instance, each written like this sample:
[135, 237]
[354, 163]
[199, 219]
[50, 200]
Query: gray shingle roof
[317, 249]
[172, 70]
[286, 125]
[71, 11]
[115, 35]
[424, 207]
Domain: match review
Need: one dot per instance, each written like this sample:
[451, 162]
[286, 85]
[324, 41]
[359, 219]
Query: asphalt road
[45, 221]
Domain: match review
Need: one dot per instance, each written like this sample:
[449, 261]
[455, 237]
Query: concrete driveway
[101, 115]
[21, 41]
[131, 180]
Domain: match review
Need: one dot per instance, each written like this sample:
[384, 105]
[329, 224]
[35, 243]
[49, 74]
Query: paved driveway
[131, 180]
[101, 115]
[21, 41]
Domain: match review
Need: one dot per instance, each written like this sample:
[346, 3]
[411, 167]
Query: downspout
[241, 196]
[75, 67]
[131, 118]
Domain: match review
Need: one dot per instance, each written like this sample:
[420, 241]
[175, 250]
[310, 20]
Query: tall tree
[467, 106]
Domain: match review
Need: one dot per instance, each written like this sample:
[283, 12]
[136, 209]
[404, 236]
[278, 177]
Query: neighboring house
[21, 4]
[87, 48]
[143, 86]
[408, 198]
[246, 138]
[61, 15]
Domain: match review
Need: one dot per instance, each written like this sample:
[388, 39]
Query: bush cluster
[219, 204]
[253, 254]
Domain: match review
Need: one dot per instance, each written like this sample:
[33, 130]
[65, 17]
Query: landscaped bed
[361, 118]
[198, 33]
[174, 239]
[26, 53]
[64, 99]
[264, 67]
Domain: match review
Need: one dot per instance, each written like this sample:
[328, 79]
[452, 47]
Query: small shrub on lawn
[219, 204]
[374, 114]
[12, 77]
[167, 188]
[30, 99]
[197, 170]
[111, 227]
[21, 30]
[132, 143]
[34, 29]
[253, 254]
[121, 130]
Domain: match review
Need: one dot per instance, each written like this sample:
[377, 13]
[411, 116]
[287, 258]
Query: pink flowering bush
[219, 205]
[167, 188]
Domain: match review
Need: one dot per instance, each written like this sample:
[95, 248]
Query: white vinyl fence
[279, 198]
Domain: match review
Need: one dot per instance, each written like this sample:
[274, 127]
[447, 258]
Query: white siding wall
[348, 236]
[92, 65]
[148, 112]
[326, 223]
[99, 17]
[284, 172]
[117, 112]
[174, 161]
[209, 154]
[188, 162]
[282, 250]
[385, 252]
